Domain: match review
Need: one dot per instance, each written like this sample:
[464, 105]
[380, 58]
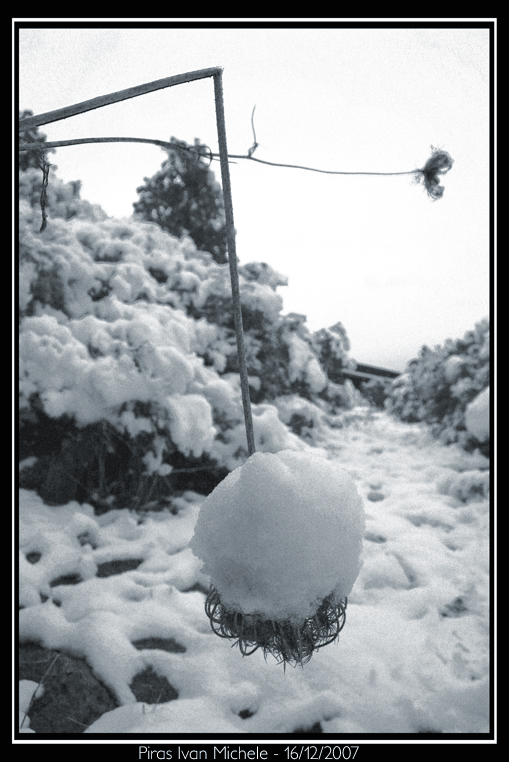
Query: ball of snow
[477, 416]
[281, 533]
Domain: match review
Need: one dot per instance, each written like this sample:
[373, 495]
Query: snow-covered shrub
[128, 361]
[332, 346]
[376, 391]
[285, 360]
[62, 199]
[283, 356]
[439, 385]
[477, 416]
[129, 378]
[303, 417]
[467, 486]
[184, 198]
[32, 135]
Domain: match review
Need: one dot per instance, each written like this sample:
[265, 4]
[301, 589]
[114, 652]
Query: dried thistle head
[290, 642]
[438, 164]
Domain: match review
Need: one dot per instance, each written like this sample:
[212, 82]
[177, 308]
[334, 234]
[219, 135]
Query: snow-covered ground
[414, 653]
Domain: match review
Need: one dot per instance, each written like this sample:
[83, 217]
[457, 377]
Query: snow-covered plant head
[281, 538]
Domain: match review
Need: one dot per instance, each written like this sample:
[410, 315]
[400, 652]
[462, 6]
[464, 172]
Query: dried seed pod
[438, 164]
[289, 641]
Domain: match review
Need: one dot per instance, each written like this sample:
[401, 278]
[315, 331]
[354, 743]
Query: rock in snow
[280, 533]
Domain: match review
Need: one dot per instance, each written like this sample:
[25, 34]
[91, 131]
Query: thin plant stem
[232, 259]
[171, 146]
[323, 171]
[41, 682]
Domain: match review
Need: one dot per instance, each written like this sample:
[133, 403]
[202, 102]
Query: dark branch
[171, 146]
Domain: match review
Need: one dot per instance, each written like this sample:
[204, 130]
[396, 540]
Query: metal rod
[120, 95]
[44, 146]
[232, 259]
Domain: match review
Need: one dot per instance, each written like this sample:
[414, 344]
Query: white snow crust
[414, 655]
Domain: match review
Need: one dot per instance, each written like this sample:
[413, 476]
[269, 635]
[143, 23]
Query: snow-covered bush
[477, 416]
[332, 346]
[107, 352]
[439, 385]
[376, 391]
[283, 356]
[63, 200]
[184, 198]
[32, 135]
[128, 361]
[467, 486]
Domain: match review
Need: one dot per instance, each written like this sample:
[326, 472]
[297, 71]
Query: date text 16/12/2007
[295, 753]
[322, 752]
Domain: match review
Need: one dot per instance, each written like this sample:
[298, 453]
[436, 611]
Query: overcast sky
[397, 269]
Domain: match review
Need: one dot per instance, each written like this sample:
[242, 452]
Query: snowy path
[413, 656]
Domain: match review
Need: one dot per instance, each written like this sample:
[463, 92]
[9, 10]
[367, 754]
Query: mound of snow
[477, 416]
[467, 486]
[280, 533]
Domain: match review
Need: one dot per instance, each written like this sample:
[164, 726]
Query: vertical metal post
[232, 258]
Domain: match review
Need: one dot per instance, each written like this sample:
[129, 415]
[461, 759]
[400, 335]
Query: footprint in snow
[374, 496]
